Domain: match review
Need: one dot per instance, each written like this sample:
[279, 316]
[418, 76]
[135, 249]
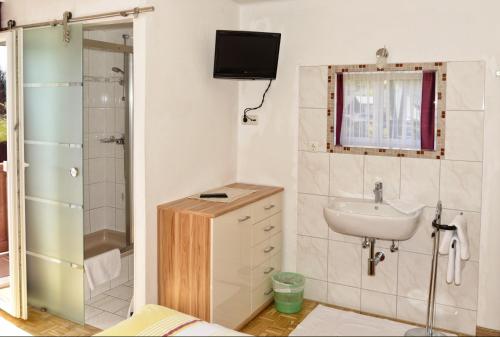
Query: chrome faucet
[379, 192]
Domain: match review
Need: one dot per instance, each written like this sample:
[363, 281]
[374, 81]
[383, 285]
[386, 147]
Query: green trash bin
[288, 292]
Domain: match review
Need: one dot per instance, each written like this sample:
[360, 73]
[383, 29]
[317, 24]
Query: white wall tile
[465, 85]
[120, 171]
[464, 135]
[344, 263]
[97, 195]
[464, 295]
[97, 219]
[120, 220]
[456, 319]
[110, 170]
[311, 221]
[110, 190]
[312, 257]
[312, 130]
[101, 95]
[343, 238]
[385, 279]
[420, 180]
[411, 310]
[119, 103]
[120, 120]
[316, 290]
[421, 241]
[343, 296]
[473, 229]
[110, 218]
[313, 172]
[461, 185]
[97, 170]
[120, 196]
[378, 303]
[101, 120]
[413, 275]
[346, 175]
[385, 169]
[313, 87]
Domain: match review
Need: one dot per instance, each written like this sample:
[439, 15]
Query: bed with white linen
[155, 320]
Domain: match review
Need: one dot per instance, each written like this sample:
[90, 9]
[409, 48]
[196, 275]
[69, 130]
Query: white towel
[405, 206]
[461, 223]
[103, 268]
[444, 243]
[454, 272]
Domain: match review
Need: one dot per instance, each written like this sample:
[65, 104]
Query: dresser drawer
[276, 242]
[266, 229]
[266, 207]
[266, 270]
[261, 294]
[243, 216]
[262, 252]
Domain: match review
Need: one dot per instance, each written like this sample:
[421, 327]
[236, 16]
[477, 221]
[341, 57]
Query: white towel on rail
[454, 272]
[461, 223]
[103, 268]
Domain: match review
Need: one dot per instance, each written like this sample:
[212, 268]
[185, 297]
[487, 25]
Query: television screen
[246, 55]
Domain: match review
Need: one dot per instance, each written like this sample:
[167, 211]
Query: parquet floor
[272, 323]
[45, 324]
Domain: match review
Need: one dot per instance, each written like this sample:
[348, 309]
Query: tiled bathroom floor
[109, 308]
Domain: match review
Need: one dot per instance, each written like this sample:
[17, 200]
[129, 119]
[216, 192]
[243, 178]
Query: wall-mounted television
[246, 55]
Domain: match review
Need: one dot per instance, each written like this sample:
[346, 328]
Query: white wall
[317, 32]
[191, 132]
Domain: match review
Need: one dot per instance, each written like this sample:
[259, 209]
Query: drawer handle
[269, 271]
[268, 249]
[269, 292]
[269, 228]
[267, 208]
[248, 217]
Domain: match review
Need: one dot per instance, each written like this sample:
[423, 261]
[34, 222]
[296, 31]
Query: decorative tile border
[439, 67]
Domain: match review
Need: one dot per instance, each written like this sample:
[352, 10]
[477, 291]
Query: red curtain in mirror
[428, 114]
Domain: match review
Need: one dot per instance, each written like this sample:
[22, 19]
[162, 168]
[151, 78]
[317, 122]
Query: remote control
[213, 195]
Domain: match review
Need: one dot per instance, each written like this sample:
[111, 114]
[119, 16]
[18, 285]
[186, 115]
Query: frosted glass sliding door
[53, 138]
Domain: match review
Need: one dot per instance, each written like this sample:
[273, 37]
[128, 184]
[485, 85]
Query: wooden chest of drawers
[216, 260]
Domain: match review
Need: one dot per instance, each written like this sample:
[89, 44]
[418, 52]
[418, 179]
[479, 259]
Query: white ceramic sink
[365, 218]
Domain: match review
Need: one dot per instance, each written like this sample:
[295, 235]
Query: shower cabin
[78, 113]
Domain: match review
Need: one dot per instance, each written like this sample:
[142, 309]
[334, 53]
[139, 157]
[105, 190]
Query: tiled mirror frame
[439, 67]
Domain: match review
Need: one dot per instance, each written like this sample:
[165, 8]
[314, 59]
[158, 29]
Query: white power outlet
[251, 120]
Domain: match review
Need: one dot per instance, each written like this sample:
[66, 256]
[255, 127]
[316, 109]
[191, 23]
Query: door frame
[15, 176]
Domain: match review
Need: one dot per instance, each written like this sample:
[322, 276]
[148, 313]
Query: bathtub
[105, 240]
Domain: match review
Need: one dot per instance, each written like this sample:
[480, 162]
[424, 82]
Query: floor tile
[121, 292]
[91, 312]
[111, 304]
[104, 320]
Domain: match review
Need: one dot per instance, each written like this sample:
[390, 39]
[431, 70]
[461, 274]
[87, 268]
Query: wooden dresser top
[214, 209]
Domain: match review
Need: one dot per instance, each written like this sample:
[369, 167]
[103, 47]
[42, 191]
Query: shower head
[117, 70]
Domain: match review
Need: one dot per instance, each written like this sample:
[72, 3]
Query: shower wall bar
[125, 13]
